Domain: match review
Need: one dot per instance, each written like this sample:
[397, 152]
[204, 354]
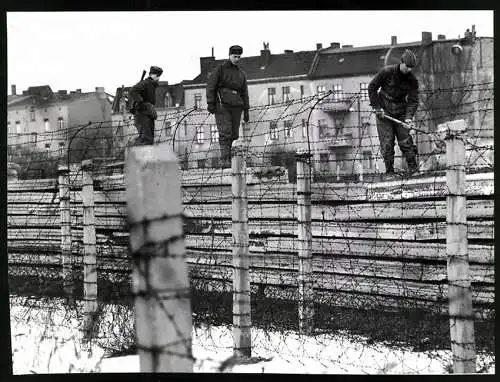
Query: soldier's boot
[412, 165]
[225, 153]
[389, 172]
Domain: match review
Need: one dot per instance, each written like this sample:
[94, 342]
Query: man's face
[234, 58]
[155, 77]
[405, 69]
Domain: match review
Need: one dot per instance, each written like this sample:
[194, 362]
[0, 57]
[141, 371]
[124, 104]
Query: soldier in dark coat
[394, 91]
[227, 97]
[143, 96]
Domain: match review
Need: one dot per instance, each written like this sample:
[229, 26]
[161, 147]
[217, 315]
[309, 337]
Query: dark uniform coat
[227, 89]
[143, 96]
[398, 96]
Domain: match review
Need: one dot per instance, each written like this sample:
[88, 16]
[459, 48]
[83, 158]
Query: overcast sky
[70, 50]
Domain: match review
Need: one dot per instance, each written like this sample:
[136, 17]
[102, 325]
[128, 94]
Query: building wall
[44, 140]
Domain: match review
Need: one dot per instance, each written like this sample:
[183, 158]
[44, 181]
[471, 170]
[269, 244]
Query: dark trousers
[387, 132]
[145, 126]
[228, 125]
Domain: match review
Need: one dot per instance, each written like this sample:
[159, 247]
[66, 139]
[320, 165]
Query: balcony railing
[340, 140]
[331, 104]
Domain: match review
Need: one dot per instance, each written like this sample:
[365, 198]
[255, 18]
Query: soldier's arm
[212, 80]
[246, 102]
[373, 87]
[412, 100]
[135, 93]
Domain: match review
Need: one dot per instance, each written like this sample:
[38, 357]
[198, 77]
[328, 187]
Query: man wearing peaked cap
[143, 96]
[394, 92]
[227, 98]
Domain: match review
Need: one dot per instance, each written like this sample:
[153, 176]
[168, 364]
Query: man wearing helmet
[394, 91]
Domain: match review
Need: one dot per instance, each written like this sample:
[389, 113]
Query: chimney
[426, 38]
[335, 45]
[100, 92]
[287, 51]
[265, 56]
[207, 64]
[213, 51]
[394, 40]
[441, 37]
[319, 46]
[347, 46]
[13, 89]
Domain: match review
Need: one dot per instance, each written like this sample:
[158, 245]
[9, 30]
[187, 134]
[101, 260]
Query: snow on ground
[60, 347]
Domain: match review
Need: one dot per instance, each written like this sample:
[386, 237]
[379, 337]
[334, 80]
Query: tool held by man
[409, 127]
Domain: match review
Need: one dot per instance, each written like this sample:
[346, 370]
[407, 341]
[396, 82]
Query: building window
[341, 159]
[273, 129]
[365, 121]
[286, 93]
[214, 134]
[271, 96]
[197, 100]
[61, 148]
[199, 134]
[367, 159]
[201, 163]
[8, 127]
[185, 129]
[337, 92]
[168, 128]
[34, 138]
[324, 162]
[302, 94]
[18, 127]
[119, 131]
[363, 86]
[304, 128]
[60, 123]
[339, 126]
[321, 90]
[168, 100]
[323, 128]
[288, 129]
[32, 114]
[46, 124]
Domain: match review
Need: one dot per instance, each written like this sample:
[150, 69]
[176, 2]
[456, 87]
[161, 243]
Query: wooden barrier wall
[378, 244]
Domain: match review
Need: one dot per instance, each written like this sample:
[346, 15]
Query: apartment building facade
[40, 119]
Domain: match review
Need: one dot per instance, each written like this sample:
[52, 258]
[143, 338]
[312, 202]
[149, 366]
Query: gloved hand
[380, 113]
[211, 108]
[410, 122]
[246, 116]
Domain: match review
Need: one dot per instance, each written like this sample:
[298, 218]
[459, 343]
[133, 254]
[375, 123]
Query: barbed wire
[379, 252]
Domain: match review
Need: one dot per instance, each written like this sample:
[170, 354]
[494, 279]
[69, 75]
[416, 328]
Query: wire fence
[377, 249]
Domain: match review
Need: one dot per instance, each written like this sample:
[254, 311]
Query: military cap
[235, 49]
[156, 70]
[409, 58]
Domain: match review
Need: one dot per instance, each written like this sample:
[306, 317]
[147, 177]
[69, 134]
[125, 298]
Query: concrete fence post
[305, 280]
[459, 285]
[89, 246]
[241, 256]
[65, 214]
[159, 271]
